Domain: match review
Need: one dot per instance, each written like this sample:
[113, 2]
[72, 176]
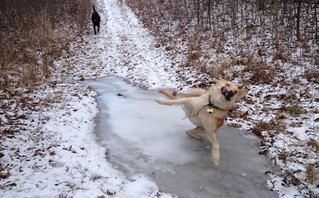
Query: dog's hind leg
[196, 133]
[168, 94]
[189, 93]
[179, 101]
[192, 93]
[94, 29]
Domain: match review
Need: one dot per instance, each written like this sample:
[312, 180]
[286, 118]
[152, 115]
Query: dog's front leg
[211, 126]
[215, 148]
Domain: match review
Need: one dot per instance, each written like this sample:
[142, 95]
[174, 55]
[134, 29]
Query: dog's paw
[160, 100]
[215, 157]
[216, 162]
[194, 135]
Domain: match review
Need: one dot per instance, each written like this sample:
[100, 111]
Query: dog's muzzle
[228, 94]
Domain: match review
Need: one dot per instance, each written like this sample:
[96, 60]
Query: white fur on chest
[194, 107]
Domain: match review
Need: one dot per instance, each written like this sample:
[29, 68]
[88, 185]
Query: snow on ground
[54, 152]
[139, 60]
[57, 156]
[286, 149]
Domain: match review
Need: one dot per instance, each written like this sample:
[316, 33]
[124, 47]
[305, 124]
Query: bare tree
[209, 14]
[298, 20]
[316, 21]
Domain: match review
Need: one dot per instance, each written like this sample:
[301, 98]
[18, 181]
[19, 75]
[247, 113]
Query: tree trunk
[209, 14]
[298, 20]
[197, 11]
[187, 12]
[316, 21]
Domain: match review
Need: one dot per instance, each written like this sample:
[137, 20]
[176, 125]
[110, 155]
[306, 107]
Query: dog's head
[226, 93]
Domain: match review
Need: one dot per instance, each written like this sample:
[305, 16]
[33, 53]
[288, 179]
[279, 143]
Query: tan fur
[121, 2]
[168, 94]
[193, 101]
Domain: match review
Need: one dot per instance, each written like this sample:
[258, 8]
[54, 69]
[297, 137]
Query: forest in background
[256, 41]
[268, 44]
[33, 34]
[262, 35]
[243, 32]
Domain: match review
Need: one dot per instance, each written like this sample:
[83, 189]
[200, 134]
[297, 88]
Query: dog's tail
[168, 94]
[93, 8]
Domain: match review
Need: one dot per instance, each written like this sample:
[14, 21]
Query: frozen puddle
[142, 136]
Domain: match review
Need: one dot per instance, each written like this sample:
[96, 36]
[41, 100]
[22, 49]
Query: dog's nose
[228, 95]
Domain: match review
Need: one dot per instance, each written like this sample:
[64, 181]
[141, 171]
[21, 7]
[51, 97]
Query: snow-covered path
[131, 49]
[123, 48]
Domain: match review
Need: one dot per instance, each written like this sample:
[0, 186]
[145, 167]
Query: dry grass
[4, 173]
[194, 50]
[96, 177]
[312, 75]
[290, 178]
[261, 71]
[30, 37]
[215, 72]
[294, 110]
[312, 174]
[273, 125]
[314, 144]
[261, 126]
[193, 56]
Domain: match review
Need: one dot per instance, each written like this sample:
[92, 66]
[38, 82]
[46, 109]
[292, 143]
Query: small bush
[312, 174]
[314, 144]
[272, 125]
[294, 110]
[261, 71]
[312, 75]
[193, 56]
[261, 126]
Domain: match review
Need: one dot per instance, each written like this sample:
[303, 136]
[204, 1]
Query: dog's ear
[242, 93]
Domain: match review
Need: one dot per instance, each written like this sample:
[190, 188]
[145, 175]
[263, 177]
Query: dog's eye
[235, 92]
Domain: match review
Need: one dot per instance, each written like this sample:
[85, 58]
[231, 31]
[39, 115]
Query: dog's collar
[211, 105]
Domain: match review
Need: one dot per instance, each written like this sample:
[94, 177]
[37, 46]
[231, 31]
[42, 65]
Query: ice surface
[144, 137]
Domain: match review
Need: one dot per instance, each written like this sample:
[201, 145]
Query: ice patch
[141, 136]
